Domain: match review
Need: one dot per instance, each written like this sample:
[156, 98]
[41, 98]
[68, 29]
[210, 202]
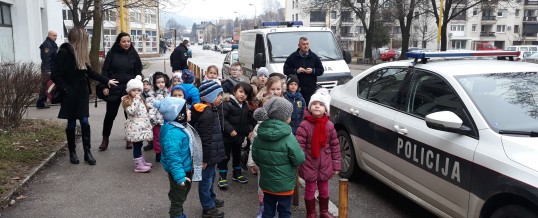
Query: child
[263, 75]
[237, 126]
[192, 95]
[148, 92]
[160, 91]
[318, 139]
[282, 79]
[137, 125]
[178, 91]
[206, 121]
[277, 154]
[236, 73]
[296, 98]
[212, 73]
[176, 79]
[177, 146]
[273, 87]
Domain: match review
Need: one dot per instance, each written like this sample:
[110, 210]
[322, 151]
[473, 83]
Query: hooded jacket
[277, 153]
[299, 105]
[205, 121]
[176, 155]
[137, 126]
[236, 118]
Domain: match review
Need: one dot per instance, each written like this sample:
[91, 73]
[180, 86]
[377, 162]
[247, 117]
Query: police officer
[49, 49]
[178, 58]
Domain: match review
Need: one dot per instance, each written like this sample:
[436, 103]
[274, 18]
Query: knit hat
[147, 79]
[170, 107]
[180, 87]
[176, 74]
[263, 71]
[277, 108]
[135, 83]
[291, 79]
[321, 95]
[187, 76]
[209, 90]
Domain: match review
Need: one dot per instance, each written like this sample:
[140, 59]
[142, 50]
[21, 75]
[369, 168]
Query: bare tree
[404, 12]
[272, 11]
[96, 39]
[422, 32]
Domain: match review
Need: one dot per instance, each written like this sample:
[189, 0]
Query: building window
[459, 44]
[346, 16]
[517, 13]
[67, 15]
[360, 1]
[110, 15]
[344, 31]
[7, 52]
[318, 16]
[417, 15]
[475, 11]
[473, 28]
[333, 14]
[459, 28]
[501, 13]
[333, 29]
[501, 28]
[516, 28]
[360, 30]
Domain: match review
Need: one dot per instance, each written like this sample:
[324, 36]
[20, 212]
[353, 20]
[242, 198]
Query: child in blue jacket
[192, 94]
[296, 98]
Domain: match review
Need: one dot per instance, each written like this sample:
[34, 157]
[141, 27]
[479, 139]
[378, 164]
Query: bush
[19, 83]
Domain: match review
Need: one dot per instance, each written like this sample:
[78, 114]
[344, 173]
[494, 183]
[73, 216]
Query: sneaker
[212, 213]
[223, 184]
[240, 179]
[219, 203]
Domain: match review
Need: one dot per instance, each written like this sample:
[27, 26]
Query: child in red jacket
[319, 141]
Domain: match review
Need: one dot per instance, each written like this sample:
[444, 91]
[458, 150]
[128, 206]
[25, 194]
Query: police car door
[434, 165]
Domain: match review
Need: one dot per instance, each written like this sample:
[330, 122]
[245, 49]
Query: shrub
[19, 83]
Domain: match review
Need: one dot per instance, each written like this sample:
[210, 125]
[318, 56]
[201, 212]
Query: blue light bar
[235, 46]
[423, 55]
[284, 23]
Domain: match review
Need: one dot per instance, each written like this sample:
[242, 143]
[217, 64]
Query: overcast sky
[212, 10]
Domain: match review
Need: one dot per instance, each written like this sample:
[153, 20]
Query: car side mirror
[446, 121]
[258, 60]
[347, 56]
[226, 62]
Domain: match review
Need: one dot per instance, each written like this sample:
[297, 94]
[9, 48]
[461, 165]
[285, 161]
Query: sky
[212, 10]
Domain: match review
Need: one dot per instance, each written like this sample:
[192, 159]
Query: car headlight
[343, 80]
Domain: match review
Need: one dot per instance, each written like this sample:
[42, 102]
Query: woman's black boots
[71, 145]
[86, 144]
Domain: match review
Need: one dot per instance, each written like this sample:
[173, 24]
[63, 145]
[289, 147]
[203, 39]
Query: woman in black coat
[123, 64]
[70, 73]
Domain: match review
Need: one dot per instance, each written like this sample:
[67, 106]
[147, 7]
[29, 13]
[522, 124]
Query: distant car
[206, 47]
[219, 48]
[226, 48]
[527, 56]
[230, 58]
[388, 55]
[532, 58]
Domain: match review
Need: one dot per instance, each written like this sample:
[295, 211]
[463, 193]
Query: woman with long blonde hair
[70, 73]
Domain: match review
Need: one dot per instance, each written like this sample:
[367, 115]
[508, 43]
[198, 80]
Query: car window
[384, 86]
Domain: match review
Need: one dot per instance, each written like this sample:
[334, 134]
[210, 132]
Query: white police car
[457, 136]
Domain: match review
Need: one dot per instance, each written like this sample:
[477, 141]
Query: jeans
[281, 203]
[177, 196]
[72, 123]
[137, 150]
[205, 187]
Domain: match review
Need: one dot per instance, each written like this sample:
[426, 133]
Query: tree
[96, 39]
[404, 12]
[421, 31]
[380, 35]
[271, 11]
[172, 24]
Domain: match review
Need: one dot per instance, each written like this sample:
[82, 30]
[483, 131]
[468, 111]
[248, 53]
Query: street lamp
[254, 13]
[238, 19]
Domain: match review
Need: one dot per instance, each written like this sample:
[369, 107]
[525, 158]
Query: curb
[6, 199]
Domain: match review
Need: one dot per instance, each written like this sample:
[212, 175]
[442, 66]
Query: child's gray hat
[277, 108]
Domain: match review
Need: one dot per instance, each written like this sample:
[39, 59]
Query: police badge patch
[46, 50]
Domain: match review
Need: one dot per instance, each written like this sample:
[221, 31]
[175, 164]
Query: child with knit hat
[296, 98]
[137, 125]
[319, 141]
[277, 153]
[146, 93]
[181, 152]
[176, 78]
[206, 120]
[161, 83]
[192, 94]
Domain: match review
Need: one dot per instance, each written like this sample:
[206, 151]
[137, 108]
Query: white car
[457, 136]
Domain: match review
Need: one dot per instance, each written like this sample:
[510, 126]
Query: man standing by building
[48, 49]
[178, 58]
[307, 66]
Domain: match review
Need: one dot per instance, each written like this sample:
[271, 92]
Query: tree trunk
[405, 43]
[443, 36]
[96, 39]
[369, 37]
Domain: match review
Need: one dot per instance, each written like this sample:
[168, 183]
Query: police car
[457, 136]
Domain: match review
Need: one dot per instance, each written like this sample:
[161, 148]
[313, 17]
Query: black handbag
[99, 91]
[57, 95]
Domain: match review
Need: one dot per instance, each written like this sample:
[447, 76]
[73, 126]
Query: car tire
[391, 59]
[513, 210]
[347, 152]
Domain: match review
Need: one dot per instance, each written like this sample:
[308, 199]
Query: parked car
[230, 58]
[457, 136]
[526, 56]
[226, 48]
[533, 58]
[206, 47]
[388, 55]
[481, 46]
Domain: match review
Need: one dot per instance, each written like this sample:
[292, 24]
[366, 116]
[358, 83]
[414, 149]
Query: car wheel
[391, 59]
[513, 210]
[347, 153]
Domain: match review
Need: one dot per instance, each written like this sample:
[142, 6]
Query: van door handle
[400, 129]
[354, 111]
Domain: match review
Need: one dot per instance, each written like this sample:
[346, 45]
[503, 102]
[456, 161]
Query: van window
[511, 48]
[281, 44]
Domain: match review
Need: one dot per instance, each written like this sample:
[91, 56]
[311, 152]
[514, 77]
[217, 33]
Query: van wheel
[347, 153]
[513, 210]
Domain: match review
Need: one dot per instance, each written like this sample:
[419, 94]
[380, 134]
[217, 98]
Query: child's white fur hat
[135, 83]
[321, 95]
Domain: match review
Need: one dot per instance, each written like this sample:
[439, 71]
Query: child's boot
[260, 211]
[324, 208]
[238, 177]
[310, 208]
[139, 165]
[157, 157]
[223, 183]
[149, 146]
[146, 163]
[128, 145]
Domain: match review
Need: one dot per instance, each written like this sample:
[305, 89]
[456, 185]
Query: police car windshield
[282, 44]
[508, 101]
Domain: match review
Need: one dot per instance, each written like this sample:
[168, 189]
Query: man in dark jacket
[178, 58]
[48, 49]
[206, 120]
[307, 66]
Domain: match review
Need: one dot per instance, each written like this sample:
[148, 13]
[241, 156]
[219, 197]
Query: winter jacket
[236, 118]
[176, 155]
[137, 125]
[155, 117]
[299, 105]
[123, 66]
[229, 84]
[277, 153]
[322, 168]
[75, 82]
[178, 58]
[307, 82]
[193, 94]
[205, 121]
[48, 50]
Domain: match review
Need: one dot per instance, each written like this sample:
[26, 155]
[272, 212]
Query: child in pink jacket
[319, 141]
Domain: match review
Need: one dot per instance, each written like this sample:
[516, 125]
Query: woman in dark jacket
[123, 64]
[70, 73]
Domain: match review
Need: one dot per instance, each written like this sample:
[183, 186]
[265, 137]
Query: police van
[270, 46]
[457, 136]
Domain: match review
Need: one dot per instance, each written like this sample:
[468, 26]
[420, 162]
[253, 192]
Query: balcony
[530, 19]
[487, 34]
[489, 18]
[531, 2]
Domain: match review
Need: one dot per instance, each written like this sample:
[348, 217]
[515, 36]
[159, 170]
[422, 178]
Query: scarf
[195, 147]
[319, 137]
